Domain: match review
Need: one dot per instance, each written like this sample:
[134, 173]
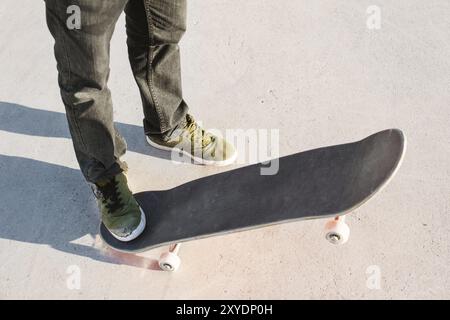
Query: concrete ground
[315, 70]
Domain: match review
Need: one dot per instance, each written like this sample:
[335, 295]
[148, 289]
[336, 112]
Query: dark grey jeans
[154, 28]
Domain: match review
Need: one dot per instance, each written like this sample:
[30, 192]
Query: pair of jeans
[154, 29]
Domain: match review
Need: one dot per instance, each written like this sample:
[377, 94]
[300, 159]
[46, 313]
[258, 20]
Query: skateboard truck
[170, 261]
[337, 231]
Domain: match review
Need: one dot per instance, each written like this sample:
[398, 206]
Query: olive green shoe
[201, 146]
[120, 212]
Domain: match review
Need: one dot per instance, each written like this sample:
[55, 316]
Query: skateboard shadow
[48, 204]
[21, 119]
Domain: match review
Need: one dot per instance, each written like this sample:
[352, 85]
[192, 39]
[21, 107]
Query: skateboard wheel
[337, 231]
[169, 261]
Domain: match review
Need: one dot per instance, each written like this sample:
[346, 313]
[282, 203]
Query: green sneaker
[201, 146]
[120, 212]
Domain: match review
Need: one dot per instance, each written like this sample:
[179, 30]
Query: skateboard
[328, 182]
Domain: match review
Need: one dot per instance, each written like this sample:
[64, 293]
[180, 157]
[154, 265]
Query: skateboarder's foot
[200, 145]
[120, 212]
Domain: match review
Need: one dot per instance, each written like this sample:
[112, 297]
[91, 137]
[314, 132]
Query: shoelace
[198, 133]
[110, 196]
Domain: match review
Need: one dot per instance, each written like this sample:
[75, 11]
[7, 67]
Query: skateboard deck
[325, 182]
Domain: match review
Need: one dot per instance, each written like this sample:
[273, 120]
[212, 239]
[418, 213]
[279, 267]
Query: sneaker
[120, 212]
[199, 145]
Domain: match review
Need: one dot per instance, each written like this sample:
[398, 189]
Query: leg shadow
[20, 119]
[49, 204]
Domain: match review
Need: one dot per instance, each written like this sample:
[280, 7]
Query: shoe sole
[197, 160]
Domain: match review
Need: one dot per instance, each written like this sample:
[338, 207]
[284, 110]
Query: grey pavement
[315, 71]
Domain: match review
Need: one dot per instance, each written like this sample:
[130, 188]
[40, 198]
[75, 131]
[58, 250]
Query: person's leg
[154, 29]
[82, 56]
[83, 65]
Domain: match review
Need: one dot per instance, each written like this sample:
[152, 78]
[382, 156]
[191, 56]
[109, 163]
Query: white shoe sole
[136, 232]
[197, 160]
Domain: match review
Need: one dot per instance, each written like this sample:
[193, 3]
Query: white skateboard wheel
[337, 231]
[169, 261]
